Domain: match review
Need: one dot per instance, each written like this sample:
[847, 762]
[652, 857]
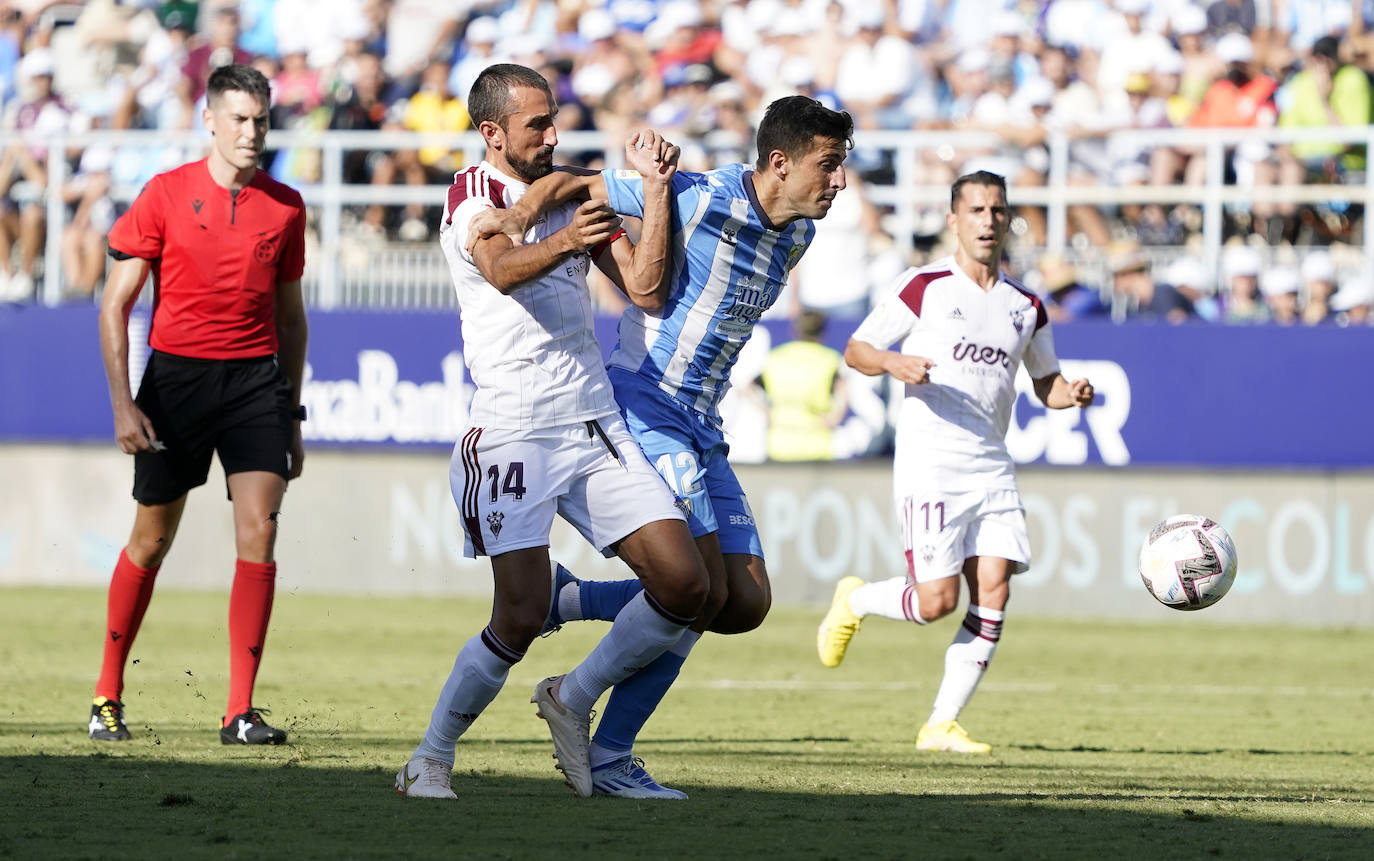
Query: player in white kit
[964, 328]
[545, 434]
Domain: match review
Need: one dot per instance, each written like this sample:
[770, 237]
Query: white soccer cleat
[423, 777]
[571, 736]
[626, 778]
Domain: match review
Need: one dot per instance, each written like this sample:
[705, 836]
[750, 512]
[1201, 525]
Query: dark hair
[239, 78]
[979, 177]
[490, 97]
[792, 123]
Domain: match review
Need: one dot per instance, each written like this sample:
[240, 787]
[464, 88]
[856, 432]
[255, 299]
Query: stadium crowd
[701, 72]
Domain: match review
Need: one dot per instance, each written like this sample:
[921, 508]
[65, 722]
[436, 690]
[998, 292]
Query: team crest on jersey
[928, 553]
[684, 505]
[795, 254]
[494, 523]
[265, 251]
[1018, 319]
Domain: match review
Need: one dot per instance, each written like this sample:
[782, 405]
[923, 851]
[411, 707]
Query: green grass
[1112, 740]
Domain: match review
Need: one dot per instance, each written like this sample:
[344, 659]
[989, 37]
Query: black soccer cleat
[107, 721]
[249, 728]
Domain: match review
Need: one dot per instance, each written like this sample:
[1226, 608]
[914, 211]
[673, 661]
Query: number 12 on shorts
[681, 473]
[514, 485]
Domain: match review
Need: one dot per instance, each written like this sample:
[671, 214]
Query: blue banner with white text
[1193, 395]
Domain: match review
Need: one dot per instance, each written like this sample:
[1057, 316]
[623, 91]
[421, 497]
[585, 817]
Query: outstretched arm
[507, 266]
[868, 359]
[1058, 393]
[563, 185]
[642, 270]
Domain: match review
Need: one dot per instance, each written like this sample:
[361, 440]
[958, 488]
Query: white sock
[477, 677]
[637, 636]
[570, 602]
[601, 755]
[966, 660]
[891, 599]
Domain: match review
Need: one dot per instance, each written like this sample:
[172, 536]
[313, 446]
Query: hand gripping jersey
[952, 429]
[533, 354]
[729, 265]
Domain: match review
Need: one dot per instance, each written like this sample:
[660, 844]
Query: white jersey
[952, 430]
[532, 353]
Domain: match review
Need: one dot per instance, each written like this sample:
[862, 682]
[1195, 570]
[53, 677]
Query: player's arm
[875, 361]
[292, 335]
[641, 270]
[133, 430]
[1058, 393]
[507, 266]
[564, 185]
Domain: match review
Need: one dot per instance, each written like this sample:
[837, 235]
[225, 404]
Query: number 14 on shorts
[514, 484]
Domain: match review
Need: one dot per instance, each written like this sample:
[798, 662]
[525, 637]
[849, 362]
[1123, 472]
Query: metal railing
[330, 285]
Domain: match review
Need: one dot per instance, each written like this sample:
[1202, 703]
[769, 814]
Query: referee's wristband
[299, 413]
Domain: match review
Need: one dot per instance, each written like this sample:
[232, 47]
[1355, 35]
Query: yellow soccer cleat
[948, 735]
[839, 625]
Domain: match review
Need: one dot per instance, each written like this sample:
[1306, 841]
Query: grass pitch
[1111, 740]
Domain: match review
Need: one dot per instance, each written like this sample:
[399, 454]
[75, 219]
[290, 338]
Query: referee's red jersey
[216, 259]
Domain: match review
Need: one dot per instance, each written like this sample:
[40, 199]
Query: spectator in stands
[685, 37]
[91, 215]
[359, 107]
[479, 51]
[1354, 302]
[24, 167]
[297, 89]
[220, 47]
[1240, 99]
[1078, 111]
[1067, 298]
[1190, 278]
[432, 109]
[1231, 16]
[1280, 286]
[1200, 66]
[1136, 291]
[11, 46]
[806, 394]
[1318, 286]
[1325, 93]
[835, 277]
[877, 72]
[418, 32]
[1128, 48]
[1242, 302]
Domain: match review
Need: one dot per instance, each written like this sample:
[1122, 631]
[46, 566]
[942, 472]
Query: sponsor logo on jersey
[968, 351]
[750, 301]
[729, 235]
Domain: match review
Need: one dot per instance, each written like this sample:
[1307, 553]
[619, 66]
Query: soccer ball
[1188, 562]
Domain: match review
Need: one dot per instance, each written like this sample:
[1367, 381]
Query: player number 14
[514, 484]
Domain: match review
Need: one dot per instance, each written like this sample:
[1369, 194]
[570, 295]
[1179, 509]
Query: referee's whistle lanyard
[594, 430]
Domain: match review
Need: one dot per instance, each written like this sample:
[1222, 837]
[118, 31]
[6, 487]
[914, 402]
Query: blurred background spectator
[1017, 73]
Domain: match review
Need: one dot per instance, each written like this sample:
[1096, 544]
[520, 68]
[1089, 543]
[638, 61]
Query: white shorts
[941, 530]
[509, 483]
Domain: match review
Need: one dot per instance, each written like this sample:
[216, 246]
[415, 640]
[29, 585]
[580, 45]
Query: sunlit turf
[1111, 740]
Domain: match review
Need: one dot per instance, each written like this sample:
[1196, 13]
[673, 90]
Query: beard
[538, 166]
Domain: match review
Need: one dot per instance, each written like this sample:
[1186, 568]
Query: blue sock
[604, 599]
[633, 700]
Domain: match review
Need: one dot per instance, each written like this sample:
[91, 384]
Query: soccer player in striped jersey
[737, 231]
[965, 327]
[545, 435]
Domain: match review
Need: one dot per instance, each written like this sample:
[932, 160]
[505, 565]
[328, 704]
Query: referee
[226, 246]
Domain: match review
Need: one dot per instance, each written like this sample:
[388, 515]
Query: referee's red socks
[131, 588]
[250, 608]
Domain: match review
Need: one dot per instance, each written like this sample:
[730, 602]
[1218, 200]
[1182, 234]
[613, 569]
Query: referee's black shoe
[250, 728]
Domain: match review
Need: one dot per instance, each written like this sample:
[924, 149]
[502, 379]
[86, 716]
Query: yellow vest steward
[800, 379]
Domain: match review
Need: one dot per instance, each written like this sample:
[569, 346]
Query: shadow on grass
[97, 804]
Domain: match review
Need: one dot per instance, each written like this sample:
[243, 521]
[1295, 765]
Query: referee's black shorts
[240, 408]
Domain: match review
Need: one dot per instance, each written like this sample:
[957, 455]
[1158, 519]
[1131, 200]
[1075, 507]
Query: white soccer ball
[1188, 562]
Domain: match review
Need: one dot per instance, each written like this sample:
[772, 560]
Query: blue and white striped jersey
[729, 265]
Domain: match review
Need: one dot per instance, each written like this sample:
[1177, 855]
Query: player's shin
[477, 677]
[635, 699]
[640, 633]
[604, 599]
[966, 660]
[131, 588]
[250, 609]
[894, 598]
